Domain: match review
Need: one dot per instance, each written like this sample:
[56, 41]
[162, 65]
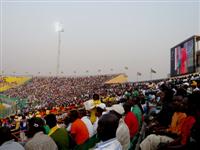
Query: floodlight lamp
[59, 27]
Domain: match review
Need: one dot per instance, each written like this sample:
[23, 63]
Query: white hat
[89, 105]
[185, 80]
[118, 108]
[186, 83]
[102, 106]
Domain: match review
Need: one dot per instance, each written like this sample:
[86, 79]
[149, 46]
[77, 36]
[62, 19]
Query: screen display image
[182, 58]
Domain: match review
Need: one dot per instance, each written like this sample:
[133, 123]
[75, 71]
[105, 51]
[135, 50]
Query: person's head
[73, 115]
[82, 112]
[194, 84]
[181, 91]
[116, 114]
[99, 111]
[107, 126]
[167, 94]
[5, 135]
[51, 120]
[127, 107]
[67, 121]
[177, 103]
[118, 110]
[194, 98]
[23, 117]
[136, 100]
[95, 97]
[131, 101]
[194, 103]
[35, 125]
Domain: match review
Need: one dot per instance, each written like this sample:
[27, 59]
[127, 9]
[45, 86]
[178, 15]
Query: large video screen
[182, 58]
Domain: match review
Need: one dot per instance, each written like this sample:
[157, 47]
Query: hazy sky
[98, 35]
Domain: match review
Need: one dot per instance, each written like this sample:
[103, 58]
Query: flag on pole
[126, 68]
[153, 71]
[139, 74]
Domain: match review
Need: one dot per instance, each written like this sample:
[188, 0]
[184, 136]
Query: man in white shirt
[87, 122]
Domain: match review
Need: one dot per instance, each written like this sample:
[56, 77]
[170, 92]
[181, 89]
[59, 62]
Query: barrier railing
[10, 105]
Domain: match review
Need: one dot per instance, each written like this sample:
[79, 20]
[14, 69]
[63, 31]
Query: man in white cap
[100, 110]
[122, 133]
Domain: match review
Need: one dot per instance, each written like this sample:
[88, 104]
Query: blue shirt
[112, 144]
[11, 145]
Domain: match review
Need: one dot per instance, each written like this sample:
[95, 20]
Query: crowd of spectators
[46, 91]
[154, 115]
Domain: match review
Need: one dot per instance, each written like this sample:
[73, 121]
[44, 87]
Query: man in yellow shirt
[96, 102]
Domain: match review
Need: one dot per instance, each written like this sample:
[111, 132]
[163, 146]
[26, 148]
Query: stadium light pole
[58, 28]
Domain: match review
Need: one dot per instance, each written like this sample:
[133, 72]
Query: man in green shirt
[59, 135]
[136, 110]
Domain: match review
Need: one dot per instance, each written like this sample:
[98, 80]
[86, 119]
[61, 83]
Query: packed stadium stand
[158, 114]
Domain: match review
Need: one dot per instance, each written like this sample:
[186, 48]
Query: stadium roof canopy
[122, 78]
[11, 81]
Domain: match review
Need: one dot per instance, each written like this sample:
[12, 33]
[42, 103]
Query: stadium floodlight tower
[58, 28]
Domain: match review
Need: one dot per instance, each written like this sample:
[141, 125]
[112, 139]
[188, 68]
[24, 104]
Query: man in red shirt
[78, 130]
[131, 120]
